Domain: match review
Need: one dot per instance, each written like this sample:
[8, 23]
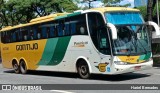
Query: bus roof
[62, 15]
[36, 21]
[110, 9]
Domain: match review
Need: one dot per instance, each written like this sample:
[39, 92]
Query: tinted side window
[67, 27]
[33, 32]
[78, 25]
[15, 35]
[98, 33]
[95, 20]
[61, 27]
[5, 37]
[24, 34]
[39, 32]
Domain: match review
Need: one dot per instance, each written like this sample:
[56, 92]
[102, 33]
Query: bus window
[51, 31]
[8, 35]
[96, 22]
[61, 28]
[78, 25]
[48, 32]
[67, 28]
[43, 31]
[55, 29]
[15, 36]
[73, 27]
[81, 29]
[103, 41]
[39, 33]
[24, 33]
[34, 29]
[4, 37]
[31, 34]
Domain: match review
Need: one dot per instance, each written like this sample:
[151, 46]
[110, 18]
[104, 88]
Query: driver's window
[104, 46]
[95, 20]
[98, 32]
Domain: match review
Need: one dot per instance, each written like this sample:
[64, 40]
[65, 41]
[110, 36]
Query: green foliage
[143, 10]
[113, 2]
[155, 10]
[14, 12]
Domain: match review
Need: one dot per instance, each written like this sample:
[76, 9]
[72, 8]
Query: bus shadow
[47, 73]
[9, 71]
[121, 77]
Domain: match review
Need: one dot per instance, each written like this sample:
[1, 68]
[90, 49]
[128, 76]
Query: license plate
[137, 67]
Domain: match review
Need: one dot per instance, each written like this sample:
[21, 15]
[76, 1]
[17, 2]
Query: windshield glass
[132, 34]
[118, 18]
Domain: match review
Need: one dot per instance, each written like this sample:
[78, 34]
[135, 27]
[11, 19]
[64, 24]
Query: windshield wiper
[142, 45]
[134, 34]
[132, 38]
[139, 42]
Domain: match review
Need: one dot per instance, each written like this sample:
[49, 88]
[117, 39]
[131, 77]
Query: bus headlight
[120, 63]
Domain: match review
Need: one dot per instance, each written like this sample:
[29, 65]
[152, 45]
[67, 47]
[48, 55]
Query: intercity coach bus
[109, 40]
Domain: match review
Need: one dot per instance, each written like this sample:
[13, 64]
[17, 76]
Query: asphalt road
[151, 76]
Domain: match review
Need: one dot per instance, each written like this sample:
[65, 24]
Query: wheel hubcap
[16, 67]
[83, 70]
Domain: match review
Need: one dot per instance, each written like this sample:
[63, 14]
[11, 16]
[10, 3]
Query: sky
[99, 3]
[128, 1]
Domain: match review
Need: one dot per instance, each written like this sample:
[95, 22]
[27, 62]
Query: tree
[15, 12]
[109, 2]
[114, 2]
[150, 7]
[143, 10]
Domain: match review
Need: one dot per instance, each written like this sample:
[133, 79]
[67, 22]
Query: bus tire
[83, 69]
[23, 67]
[16, 67]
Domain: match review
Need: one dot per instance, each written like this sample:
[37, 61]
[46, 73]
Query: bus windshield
[132, 34]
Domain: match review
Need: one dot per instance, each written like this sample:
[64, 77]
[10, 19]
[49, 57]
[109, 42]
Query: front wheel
[23, 67]
[83, 70]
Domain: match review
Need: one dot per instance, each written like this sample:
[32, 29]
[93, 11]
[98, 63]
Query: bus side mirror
[113, 30]
[157, 28]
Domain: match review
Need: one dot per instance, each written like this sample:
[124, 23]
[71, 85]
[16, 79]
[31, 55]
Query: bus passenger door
[100, 38]
[104, 49]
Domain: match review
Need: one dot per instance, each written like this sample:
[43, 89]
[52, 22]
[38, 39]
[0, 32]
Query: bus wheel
[83, 70]
[16, 68]
[23, 67]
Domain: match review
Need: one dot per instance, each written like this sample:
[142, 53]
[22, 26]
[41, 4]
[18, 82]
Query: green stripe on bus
[145, 56]
[60, 50]
[48, 51]
[148, 55]
[73, 14]
[142, 57]
[60, 17]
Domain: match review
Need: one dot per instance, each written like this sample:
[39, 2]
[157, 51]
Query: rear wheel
[23, 67]
[16, 68]
[83, 69]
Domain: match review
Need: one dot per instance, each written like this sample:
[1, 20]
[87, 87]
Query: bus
[109, 40]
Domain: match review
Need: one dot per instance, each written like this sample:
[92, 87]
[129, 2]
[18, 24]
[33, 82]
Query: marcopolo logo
[80, 44]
